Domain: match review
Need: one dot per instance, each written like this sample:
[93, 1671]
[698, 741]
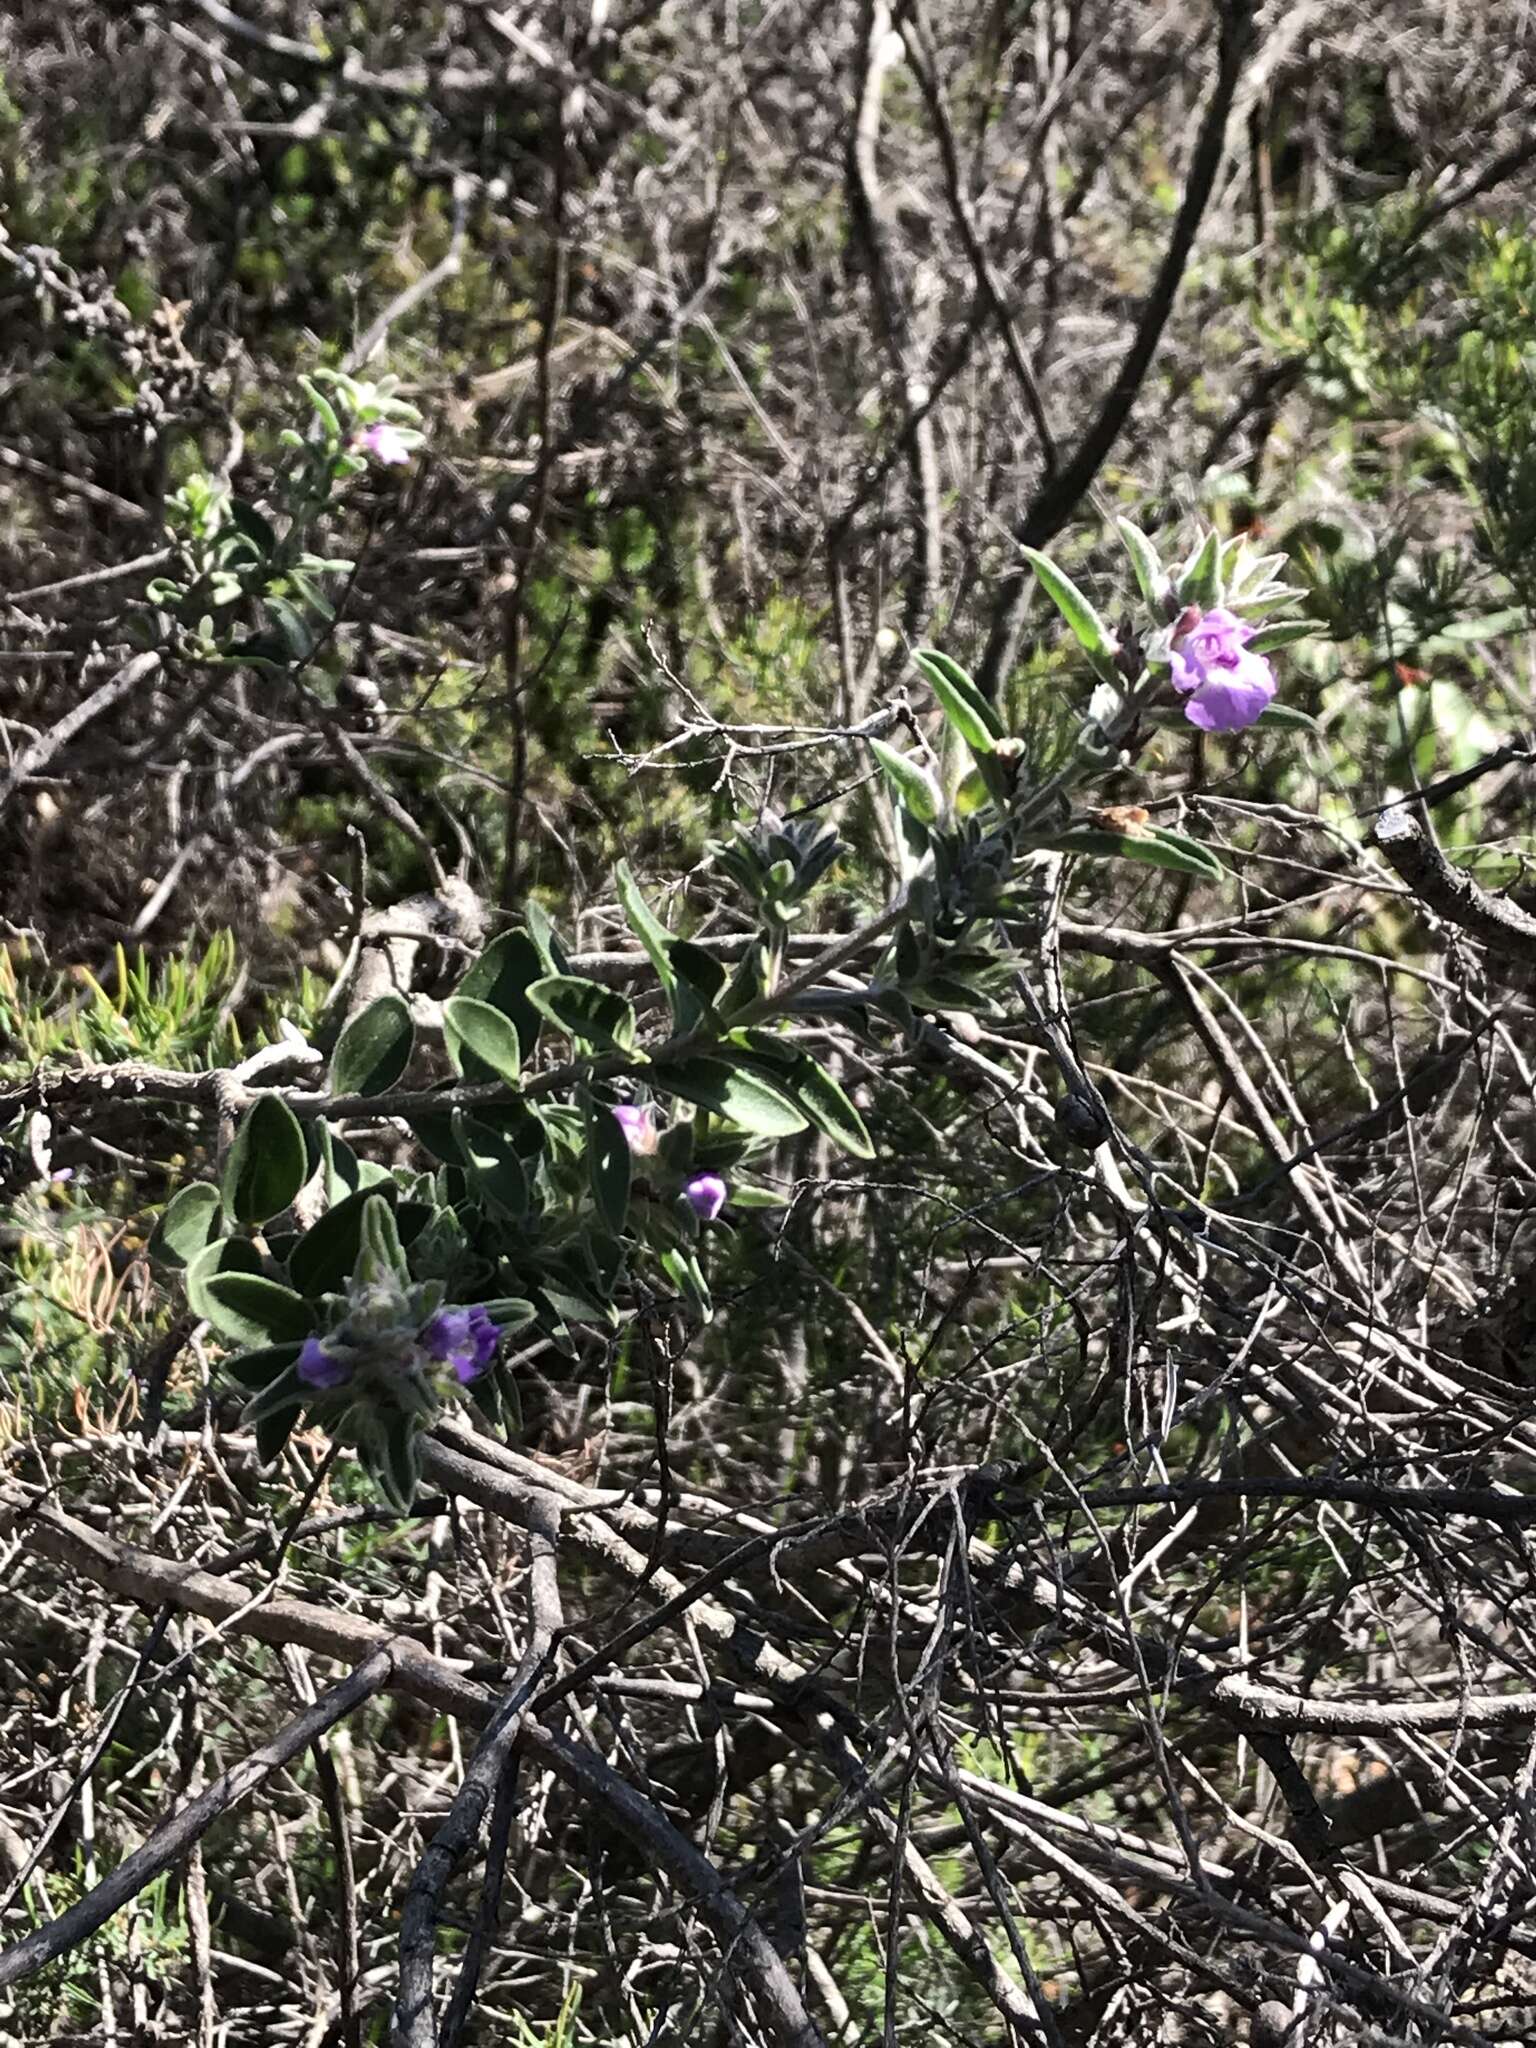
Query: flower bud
[706, 1196]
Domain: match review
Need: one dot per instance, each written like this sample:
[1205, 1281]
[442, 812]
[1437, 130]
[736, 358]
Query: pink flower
[1227, 687]
[385, 444]
[639, 1127]
[705, 1195]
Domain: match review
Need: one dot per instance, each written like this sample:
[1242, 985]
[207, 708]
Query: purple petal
[446, 1332]
[384, 443]
[317, 1368]
[706, 1196]
[1227, 702]
[639, 1127]
[463, 1338]
[1225, 625]
[1188, 674]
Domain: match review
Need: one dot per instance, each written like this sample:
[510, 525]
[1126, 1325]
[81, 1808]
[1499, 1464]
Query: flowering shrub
[545, 1199]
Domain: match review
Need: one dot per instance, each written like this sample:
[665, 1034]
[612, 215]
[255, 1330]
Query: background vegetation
[1149, 1654]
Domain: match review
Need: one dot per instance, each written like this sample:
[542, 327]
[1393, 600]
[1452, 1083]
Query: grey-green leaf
[267, 1163]
[501, 977]
[959, 699]
[1283, 634]
[223, 1255]
[274, 1429]
[646, 925]
[595, 1015]
[374, 1050]
[249, 1309]
[492, 1158]
[324, 1257]
[470, 1025]
[1090, 631]
[732, 1092]
[608, 1164]
[260, 1369]
[190, 1220]
[1155, 849]
[1150, 577]
[1199, 581]
[1288, 716]
[379, 1242]
[909, 781]
[811, 1088]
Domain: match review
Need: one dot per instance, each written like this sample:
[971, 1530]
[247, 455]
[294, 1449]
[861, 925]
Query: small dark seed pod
[1082, 1120]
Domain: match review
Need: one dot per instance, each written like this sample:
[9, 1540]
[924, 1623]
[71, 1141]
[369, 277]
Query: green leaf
[495, 1394]
[608, 1163]
[223, 1255]
[1288, 716]
[510, 1313]
[280, 1393]
[705, 973]
[1194, 851]
[323, 407]
[697, 982]
[338, 1162]
[374, 1049]
[570, 1293]
[267, 1163]
[494, 1163]
[959, 699]
[398, 1471]
[939, 991]
[646, 925]
[1283, 634]
[757, 1198]
[732, 1092]
[1150, 577]
[1156, 849]
[191, 1219]
[1199, 581]
[379, 1247]
[1487, 626]
[256, 527]
[683, 1270]
[811, 1088]
[501, 977]
[292, 626]
[248, 1308]
[258, 1369]
[909, 781]
[435, 1130]
[546, 939]
[595, 1015]
[274, 1430]
[1090, 631]
[324, 1257]
[472, 1026]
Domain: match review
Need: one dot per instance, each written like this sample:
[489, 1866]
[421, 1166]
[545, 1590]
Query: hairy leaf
[374, 1049]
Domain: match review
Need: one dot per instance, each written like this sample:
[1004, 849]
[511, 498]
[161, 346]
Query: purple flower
[464, 1338]
[385, 443]
[705, 1195]
[639, 1127]
[1227, 687]
[317, 1368]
